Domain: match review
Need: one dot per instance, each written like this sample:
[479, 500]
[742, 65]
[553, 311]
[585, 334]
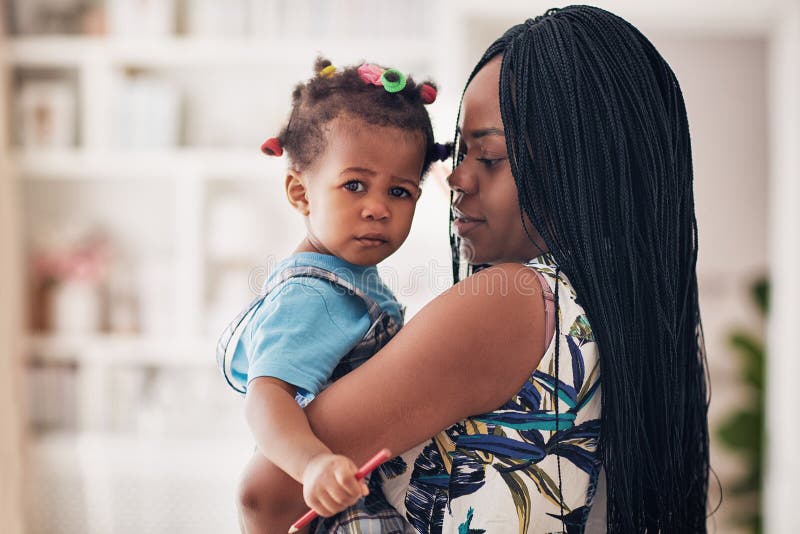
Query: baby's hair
[333, 93]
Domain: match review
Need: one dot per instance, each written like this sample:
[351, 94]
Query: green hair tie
[393, 86]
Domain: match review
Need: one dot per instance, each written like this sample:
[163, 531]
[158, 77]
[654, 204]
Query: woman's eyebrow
[483, 132]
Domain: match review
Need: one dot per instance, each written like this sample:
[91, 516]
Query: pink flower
[370, 73]
[85, 261]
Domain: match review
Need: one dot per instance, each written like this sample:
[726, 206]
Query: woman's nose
[462, 181]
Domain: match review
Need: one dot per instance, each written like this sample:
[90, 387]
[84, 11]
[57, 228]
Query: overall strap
[226, 346]
[308, 271]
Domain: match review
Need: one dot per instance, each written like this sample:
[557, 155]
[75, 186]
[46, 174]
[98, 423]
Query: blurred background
[137, 216]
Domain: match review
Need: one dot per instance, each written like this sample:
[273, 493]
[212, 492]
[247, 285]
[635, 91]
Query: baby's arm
[284, 437]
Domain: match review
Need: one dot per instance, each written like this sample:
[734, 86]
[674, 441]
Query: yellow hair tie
[328, 71]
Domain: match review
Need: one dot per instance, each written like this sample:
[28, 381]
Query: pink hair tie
[272, 147]
[428, 93]
[370, 74]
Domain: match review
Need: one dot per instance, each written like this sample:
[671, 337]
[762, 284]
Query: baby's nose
[375, 210]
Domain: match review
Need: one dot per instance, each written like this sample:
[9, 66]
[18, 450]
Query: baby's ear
[296, 192]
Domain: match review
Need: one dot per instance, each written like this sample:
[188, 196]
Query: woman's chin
[474, 255]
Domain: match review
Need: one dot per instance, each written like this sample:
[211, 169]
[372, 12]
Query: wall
[10, 374]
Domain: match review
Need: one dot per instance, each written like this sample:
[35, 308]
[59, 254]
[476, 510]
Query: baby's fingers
[324, 505]
[349, 484]
[335, 500]
[342, 497]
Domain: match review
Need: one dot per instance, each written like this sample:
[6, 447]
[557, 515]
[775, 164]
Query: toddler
[359, 142]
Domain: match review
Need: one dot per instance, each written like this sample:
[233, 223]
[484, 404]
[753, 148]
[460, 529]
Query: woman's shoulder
[507, 283]
[507, 295]
[495, 323]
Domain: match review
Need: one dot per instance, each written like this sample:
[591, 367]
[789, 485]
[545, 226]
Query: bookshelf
[182, 51]
[153, 141]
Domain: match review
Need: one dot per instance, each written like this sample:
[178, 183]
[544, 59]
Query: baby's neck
[311, 245]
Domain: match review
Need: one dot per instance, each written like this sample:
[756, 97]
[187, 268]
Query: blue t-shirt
[305, 326]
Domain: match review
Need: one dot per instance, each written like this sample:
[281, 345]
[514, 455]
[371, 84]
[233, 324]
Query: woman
[573, 149]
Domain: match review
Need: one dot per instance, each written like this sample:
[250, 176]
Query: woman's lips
[465, 225]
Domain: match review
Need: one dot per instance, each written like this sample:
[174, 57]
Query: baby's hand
[330, 484]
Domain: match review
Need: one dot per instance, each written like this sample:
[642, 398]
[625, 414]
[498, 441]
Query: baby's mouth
[372, 240]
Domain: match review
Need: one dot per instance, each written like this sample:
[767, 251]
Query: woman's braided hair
[598, 142]
[322, 98]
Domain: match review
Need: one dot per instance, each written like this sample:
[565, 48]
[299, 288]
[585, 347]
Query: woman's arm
[465, 353]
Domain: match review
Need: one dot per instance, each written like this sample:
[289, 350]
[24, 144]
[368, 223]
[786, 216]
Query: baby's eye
[356, 186]
[400, 192]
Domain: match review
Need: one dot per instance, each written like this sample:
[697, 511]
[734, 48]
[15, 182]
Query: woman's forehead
[481, 105]
[487, 80]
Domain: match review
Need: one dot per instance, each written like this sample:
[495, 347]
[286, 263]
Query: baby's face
[363, 190]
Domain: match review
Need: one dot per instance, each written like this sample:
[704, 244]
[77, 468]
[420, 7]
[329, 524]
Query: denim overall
[372, 513]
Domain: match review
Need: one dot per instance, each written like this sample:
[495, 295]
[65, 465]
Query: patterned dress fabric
[530, 466]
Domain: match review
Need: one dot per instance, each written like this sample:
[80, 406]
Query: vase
[76, 308]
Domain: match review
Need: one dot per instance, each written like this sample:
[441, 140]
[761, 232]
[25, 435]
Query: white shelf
[146, 164]
[50, 51]
[67, 52]
[144, 454]
[682, 16]
[122, 350]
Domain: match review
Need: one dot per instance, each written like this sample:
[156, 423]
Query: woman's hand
[330, 484]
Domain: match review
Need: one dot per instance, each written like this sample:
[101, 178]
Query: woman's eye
[400, 192]
[460, 157]
[355, 186]
[490, 162]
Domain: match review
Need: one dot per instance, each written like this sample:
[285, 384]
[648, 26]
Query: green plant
[743, 430]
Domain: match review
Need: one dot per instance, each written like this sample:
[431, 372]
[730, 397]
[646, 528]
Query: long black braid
[598, 142]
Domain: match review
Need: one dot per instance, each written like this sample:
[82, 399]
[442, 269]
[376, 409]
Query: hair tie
[327, 72]
[272, 147]
[442, 152]
[370, 74]
[428, 93]
[393, 80]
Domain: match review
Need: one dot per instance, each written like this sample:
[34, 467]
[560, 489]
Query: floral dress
[530, 466]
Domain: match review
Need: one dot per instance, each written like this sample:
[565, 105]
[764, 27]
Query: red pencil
[365, 469]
